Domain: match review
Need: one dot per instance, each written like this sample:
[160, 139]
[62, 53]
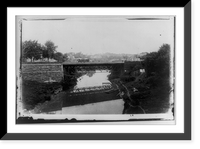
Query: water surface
[91, 79]
[95, 78]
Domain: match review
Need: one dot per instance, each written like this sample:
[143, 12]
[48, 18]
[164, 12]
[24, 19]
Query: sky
[101, 34]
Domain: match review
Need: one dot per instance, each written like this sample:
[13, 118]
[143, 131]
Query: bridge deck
[91, 63]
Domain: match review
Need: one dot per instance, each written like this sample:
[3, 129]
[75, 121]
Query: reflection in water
[94, 101]
[93, 78]
[106, 107]
[90, 73]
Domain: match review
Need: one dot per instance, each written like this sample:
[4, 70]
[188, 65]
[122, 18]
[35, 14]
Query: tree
[44, 52]
[157, 66]
[59, 57]
[125, 57]
[49, 50]
[158, 62]
[163, 60]
[150, 63]
[65, 57]
[79, 55]
[31, 49]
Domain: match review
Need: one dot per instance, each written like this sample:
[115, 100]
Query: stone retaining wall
[42, 72]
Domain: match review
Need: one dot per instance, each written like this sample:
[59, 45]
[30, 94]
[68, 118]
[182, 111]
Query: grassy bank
[151, 99]
[34, 93]
[150, 88]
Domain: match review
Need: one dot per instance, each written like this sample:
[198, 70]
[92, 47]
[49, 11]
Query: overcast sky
[91, 35]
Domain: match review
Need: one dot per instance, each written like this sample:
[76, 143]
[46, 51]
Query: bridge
[91, 63]
[70, 68]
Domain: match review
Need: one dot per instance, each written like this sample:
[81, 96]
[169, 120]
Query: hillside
[149, 89]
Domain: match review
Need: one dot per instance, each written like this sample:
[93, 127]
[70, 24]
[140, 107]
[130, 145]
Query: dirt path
[130, 101]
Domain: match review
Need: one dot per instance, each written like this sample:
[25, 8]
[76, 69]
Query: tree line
[154, 62]
[156, 66]
[33, 50]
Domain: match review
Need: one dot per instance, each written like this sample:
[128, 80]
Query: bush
[157, 66]
[126, 78]
[34, 92]
[158, 62]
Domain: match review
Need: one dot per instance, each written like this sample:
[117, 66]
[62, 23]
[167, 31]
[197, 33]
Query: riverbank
[39, 97]
[139, 96]
[34, 93]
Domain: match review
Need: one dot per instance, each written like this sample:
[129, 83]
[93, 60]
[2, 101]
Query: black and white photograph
[113, 75]
[95, 67]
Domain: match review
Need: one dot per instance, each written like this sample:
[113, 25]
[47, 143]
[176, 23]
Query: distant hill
[105, 57]
[109, 57]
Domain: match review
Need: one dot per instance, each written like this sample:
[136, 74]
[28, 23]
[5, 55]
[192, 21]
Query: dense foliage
[157, 66]
[32, 50]
[35, 51]
[157, 63]
[152, 85]
[34, 92]
[50, 48]
[59, 57]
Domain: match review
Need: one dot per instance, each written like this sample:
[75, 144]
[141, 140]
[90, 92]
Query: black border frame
[128, 136]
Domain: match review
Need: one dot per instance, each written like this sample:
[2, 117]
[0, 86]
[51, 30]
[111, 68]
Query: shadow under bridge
[72, 68]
